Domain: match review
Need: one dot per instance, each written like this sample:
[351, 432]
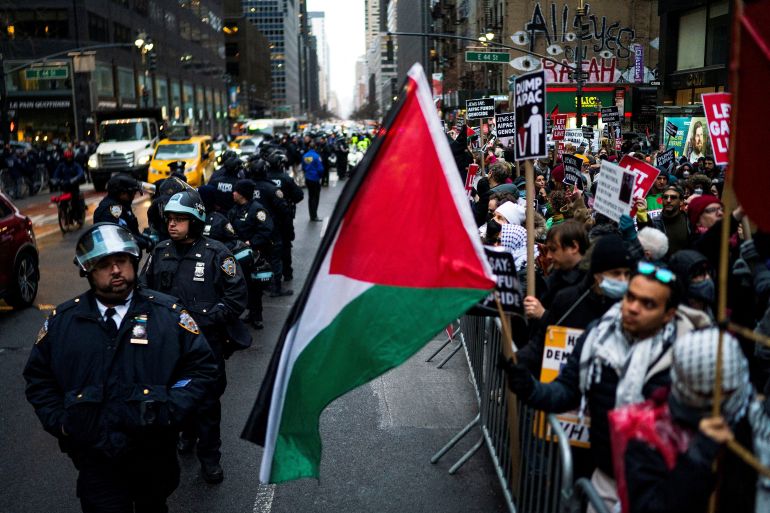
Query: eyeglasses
[711, 210]
[661, 274]
[670, 197]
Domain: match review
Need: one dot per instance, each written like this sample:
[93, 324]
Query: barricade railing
[529, 449]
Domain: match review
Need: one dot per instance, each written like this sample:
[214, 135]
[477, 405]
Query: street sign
[495, 57]
[610, 114]
[529, 101]
[480, 108]
[505, 124]
[46, 73]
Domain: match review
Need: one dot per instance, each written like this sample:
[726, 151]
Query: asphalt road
[378, 439]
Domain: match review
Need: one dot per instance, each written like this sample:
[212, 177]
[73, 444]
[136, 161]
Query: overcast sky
[345, 33]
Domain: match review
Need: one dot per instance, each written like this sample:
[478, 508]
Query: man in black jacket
[117, 208]
[113, 375]
[203, 274]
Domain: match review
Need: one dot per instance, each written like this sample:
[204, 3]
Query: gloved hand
[748, 250]
[627, 228]
[520, 380]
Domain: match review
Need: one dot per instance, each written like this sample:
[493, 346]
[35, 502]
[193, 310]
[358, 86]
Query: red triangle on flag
[469, 131]
[393, 235]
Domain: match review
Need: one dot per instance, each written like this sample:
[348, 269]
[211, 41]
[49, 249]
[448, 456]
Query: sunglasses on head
[661, 274]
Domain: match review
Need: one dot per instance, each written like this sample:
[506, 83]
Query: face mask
[703, 291]
[612, 288]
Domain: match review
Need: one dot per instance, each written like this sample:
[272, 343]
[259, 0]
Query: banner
[691, 139]
[529, 101]
[717, 107]
[614, 191]
[559, 344]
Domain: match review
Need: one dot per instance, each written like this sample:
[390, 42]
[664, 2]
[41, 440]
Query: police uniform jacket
[224, 182]
[253, 224]
[116, 395]
[206, 279]
[271, 196]
[291, 191]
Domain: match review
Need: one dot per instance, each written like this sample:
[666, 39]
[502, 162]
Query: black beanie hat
[245, 188]
[609, 252]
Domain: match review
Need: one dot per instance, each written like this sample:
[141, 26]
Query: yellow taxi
[197, 152]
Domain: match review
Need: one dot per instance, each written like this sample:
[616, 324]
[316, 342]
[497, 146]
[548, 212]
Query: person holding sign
[621, 359]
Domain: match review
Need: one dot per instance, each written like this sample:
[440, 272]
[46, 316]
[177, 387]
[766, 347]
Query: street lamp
[145, 46]
[489, 35]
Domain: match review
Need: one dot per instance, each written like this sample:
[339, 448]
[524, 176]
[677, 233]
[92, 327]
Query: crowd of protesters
[644, 291]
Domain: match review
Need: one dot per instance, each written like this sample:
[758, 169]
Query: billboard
[692, 137]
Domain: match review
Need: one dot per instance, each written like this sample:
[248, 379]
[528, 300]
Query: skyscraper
[318, 29]
[278, 20]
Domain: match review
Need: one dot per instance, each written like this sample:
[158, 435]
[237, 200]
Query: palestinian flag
[400, 260]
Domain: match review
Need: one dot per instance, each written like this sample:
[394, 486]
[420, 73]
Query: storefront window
[161, 91]
[176, 100]
[199, 102]
[188, 101]
[692, 40]
[126, 85]
[105, 85]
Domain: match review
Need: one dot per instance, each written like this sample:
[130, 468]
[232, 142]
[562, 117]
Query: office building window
[122, 34]
[39, 24]
[98, 28]
[105, 85]
[126, 85]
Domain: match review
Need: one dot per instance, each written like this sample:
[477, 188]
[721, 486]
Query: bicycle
[64, 207]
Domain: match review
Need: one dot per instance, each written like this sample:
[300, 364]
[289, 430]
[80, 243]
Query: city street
[378, 439]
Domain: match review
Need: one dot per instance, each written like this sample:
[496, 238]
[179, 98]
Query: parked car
[19, 260]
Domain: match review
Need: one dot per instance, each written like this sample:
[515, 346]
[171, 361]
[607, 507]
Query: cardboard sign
[663, 160]
[645, 175]
[717, 107]
[610, 114]
[480, 108]
[529, 101]
[671, 129]
[588, 132]
[506, 124]
[559, 344]
[471, 179]
[559, 126]
[575, 136]
[614, 191]
[572, 167]
[504, 268]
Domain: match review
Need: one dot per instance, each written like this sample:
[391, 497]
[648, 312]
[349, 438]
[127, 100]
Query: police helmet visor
[102, 240]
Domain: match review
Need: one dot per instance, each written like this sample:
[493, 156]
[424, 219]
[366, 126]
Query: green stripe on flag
[359, 345]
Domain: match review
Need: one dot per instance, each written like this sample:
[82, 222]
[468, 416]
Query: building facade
[183, 77]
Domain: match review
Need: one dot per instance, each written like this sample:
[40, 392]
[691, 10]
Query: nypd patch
[230, 228]
[116, 210]
[42, 333]
[262, 216]
[279, 193]
[228, 266]
[187, 322]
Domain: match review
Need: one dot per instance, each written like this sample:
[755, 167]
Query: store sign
[593, 99]
[39, 103]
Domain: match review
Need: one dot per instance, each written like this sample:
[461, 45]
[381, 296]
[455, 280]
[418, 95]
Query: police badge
[262, 216]
[228, 266]
[200, 269]
[187, 322]
[116, 210]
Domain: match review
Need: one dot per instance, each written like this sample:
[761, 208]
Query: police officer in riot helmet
[204, 275]
[293, 194]
[164, 190]
[117, 208]
[114, 374]
[224, 180]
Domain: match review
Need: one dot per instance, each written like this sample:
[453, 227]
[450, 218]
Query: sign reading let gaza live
[480, 108]
[717, 107]
[529, 99]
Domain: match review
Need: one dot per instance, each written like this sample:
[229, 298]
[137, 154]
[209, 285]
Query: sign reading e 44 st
[49, 73]
[497, 57]
[529, 102]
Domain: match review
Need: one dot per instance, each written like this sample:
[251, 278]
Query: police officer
[254, 226]
[176, 169]
[293, 194]
[113, 375]
[341, 150]
[155, 218]
[116, 207]
[225, 178]
[203, 274]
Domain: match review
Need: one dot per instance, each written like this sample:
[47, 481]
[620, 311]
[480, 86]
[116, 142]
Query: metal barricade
[529, 449]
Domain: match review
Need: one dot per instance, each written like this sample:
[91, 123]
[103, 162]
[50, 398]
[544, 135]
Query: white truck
[125, 146]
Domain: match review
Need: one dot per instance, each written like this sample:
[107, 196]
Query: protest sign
[480, 108]
[614, 191]
[559, 125]
[717, 107]
[645, 175]
[572, 167]
[529, 101]
[471, 179]
[671, 129]
[559, 344]
[504, 268]
[505, 124]
[588, 132]
[575, 136]
[610, 115]
[664, 159]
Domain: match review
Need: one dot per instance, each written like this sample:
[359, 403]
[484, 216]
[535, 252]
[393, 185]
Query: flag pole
[529, 171]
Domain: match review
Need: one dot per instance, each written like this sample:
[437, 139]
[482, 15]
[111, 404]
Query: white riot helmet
[101, 240]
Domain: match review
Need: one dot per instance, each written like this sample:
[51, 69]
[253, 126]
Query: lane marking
[263, 502]
[324, 226]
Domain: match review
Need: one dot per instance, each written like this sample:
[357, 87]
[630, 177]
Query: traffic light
[152, 60]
